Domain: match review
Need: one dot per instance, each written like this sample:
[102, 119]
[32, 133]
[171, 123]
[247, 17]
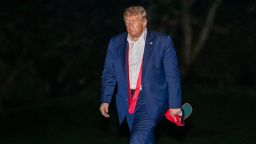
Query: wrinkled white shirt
[136, 50]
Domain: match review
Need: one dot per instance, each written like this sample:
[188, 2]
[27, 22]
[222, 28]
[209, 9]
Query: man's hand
[104, 109]
[174, 112]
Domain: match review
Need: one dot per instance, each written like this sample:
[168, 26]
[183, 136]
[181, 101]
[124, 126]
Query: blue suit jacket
[161, 86]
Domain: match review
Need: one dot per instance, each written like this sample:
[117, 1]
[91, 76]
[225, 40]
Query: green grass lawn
[220, 116]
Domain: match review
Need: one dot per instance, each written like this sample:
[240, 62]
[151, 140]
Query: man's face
[135, 25]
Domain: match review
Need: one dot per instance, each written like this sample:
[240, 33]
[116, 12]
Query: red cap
[178, 120]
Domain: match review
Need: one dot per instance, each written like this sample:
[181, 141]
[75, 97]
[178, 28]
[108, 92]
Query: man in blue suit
[142, 66]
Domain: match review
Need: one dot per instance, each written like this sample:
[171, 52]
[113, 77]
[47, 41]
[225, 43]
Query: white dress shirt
[136, 50]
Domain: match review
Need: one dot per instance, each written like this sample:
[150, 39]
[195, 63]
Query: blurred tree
[191, 51]
[176, 13]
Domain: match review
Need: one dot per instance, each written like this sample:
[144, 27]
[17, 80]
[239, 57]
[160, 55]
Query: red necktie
[132, 100]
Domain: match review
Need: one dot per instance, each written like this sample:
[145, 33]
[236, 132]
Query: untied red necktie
[132, 100]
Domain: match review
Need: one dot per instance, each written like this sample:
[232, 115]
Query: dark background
[52, 54]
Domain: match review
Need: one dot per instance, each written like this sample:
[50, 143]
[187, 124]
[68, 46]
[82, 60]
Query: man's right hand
[104, 109]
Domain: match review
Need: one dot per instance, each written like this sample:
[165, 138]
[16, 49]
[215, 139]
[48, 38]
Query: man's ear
[145, 23]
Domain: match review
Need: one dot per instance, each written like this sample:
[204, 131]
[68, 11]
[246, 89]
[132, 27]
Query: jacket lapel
[147, 52]
[123, 54]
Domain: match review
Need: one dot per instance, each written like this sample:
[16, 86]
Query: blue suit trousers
[140, 125]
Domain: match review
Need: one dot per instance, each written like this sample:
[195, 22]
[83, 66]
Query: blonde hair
[134, 11]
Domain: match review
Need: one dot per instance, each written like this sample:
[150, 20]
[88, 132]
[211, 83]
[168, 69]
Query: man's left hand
[174, 112]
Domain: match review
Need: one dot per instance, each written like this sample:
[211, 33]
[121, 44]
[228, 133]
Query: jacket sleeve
[172, 74]
[108, 75]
